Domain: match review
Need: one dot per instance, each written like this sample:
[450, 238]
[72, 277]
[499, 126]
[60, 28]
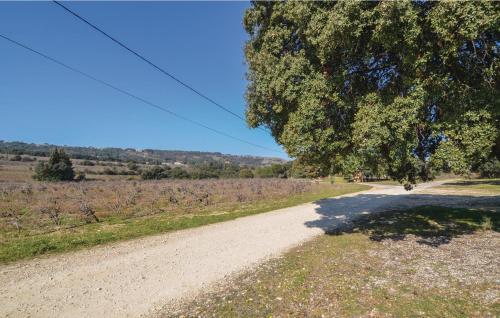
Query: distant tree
[246, 173]
[207, 170]
[58, 168]
[405, 87]
[156, 173]
[230, 170]
[273, 171]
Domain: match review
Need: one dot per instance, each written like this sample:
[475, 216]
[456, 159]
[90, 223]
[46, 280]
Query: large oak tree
[400, 88]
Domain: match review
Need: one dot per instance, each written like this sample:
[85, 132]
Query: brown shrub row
[41, 207]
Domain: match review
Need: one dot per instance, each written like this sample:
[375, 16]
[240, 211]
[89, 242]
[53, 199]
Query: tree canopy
[58, 168]
[402, 88]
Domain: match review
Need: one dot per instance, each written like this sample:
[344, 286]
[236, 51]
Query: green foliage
[246, 173]
[299, 169]
[211, 170]
[164, 172]
[58, 168]
[387, 88]
[156, 173]
[179, 173]
[272, 171]
[490, 169]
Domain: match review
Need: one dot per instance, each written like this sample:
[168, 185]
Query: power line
[162, 70]
[145, 101]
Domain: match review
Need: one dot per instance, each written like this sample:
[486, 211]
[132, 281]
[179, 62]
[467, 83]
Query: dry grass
[421, 262]
[38, 218]
[42, 207]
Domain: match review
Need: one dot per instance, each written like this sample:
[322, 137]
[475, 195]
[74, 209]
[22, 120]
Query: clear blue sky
[199, 42]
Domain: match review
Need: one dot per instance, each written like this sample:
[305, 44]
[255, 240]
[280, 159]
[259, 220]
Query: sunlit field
[41, 217]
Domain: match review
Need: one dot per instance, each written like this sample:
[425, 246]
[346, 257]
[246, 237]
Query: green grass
[14, 246]
[489, 185]
[386, 182]
[350, 274]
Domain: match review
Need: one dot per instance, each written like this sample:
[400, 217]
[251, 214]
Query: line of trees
[60, 168]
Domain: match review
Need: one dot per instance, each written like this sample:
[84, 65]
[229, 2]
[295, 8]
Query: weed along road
[136, 277]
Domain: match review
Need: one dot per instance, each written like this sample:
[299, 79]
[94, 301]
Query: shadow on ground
[433, 219]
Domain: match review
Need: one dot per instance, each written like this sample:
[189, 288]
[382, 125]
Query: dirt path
[131, 279]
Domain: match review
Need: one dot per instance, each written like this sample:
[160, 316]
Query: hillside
[140, 156]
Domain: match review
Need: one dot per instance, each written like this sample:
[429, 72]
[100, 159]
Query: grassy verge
[15, 246]
[489, 185]
[386, 182]
[424, 262]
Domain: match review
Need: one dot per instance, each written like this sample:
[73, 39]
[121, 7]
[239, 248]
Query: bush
[179, 173]
[490, 169]
[58, 168]
[132, 166]
[246, 173]
[272, 171]
[115, 172]
[16, 158]
[155, 173]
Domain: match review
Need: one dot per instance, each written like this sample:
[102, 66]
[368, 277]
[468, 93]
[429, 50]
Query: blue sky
[199, 42]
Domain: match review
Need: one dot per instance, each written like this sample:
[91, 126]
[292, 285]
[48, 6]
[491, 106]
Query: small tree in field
[58, 168]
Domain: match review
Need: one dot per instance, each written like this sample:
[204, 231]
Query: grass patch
[15, 246]
[489, 185]
[359, 273]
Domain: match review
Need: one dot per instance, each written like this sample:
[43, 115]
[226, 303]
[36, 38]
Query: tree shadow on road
[433, 219]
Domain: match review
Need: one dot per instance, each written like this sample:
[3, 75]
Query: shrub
[132, 166]
[155, 173]
[58, 168]
[490, 169]
[272, 171]
[246, 173]
[16, 158]
[179, 173]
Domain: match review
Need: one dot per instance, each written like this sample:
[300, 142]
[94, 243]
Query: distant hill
[140, 156]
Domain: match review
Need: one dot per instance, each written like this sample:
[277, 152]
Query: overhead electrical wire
[148, 61]
[125, 92]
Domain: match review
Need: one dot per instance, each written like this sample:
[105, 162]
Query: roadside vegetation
[46, 217]
[423, 262]
[484, 185]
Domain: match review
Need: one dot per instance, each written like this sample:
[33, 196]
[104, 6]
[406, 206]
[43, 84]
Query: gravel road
[133, 278]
